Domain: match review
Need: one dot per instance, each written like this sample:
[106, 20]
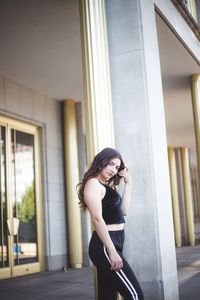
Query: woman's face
[111, 169]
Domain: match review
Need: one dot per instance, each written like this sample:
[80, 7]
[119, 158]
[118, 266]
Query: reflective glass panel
[23, 197]
[4, 257]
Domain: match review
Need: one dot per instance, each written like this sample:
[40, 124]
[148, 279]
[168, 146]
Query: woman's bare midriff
[114, 227]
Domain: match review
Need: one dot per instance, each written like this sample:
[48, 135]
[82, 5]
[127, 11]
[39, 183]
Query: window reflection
[23, 197]
[4, 258]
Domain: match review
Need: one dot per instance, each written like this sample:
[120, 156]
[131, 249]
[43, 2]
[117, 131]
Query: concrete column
[198, 11]
[196, 197]
[195, 87]
[85, 218]
[72, 178]
[98, 104]
[197, 191]
[175, 196]
[140, 136]
[188, 195]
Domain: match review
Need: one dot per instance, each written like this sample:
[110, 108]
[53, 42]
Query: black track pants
[111, 282]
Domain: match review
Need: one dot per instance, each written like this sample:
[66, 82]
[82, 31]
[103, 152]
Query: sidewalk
[77, 284]
[188, 262]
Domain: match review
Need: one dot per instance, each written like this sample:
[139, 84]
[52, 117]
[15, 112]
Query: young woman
[97, 193]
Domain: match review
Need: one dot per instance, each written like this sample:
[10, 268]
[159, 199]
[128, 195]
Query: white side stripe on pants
[124, 278]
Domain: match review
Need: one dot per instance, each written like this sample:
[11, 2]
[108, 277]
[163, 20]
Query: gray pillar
[140, 136]
[85, 218]
[198, 11]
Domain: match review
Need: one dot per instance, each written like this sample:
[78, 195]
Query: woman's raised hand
[125, 174]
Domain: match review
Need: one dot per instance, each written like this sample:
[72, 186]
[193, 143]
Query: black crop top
[111, 207]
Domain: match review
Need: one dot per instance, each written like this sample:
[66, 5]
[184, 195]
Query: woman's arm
[93, 197]
[127, 191]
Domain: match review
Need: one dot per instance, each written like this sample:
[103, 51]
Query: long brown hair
[100, 161]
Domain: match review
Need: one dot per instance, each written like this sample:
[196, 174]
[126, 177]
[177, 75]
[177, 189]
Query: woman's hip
[97, 249]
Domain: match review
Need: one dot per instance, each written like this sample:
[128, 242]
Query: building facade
[77, 76]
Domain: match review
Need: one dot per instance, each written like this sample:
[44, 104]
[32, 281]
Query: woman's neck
[101, 179]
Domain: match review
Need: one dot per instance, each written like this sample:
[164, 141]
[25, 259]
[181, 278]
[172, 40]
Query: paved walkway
[188, 262]
[75, 284]
[78, 284]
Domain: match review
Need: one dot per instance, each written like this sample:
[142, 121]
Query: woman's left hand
[125, 174]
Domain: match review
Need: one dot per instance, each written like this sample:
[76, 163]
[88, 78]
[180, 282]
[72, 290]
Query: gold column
[195, 86]
[188, 195]
[175, 196]
[97, 86]
[72, 178]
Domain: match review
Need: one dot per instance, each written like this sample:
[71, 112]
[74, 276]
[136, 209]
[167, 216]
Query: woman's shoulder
[94, 188]
[93, 183]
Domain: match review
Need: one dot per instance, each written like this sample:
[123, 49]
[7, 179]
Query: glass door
[20, 202]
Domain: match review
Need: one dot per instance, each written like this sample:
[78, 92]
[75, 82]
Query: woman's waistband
[115, 227]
